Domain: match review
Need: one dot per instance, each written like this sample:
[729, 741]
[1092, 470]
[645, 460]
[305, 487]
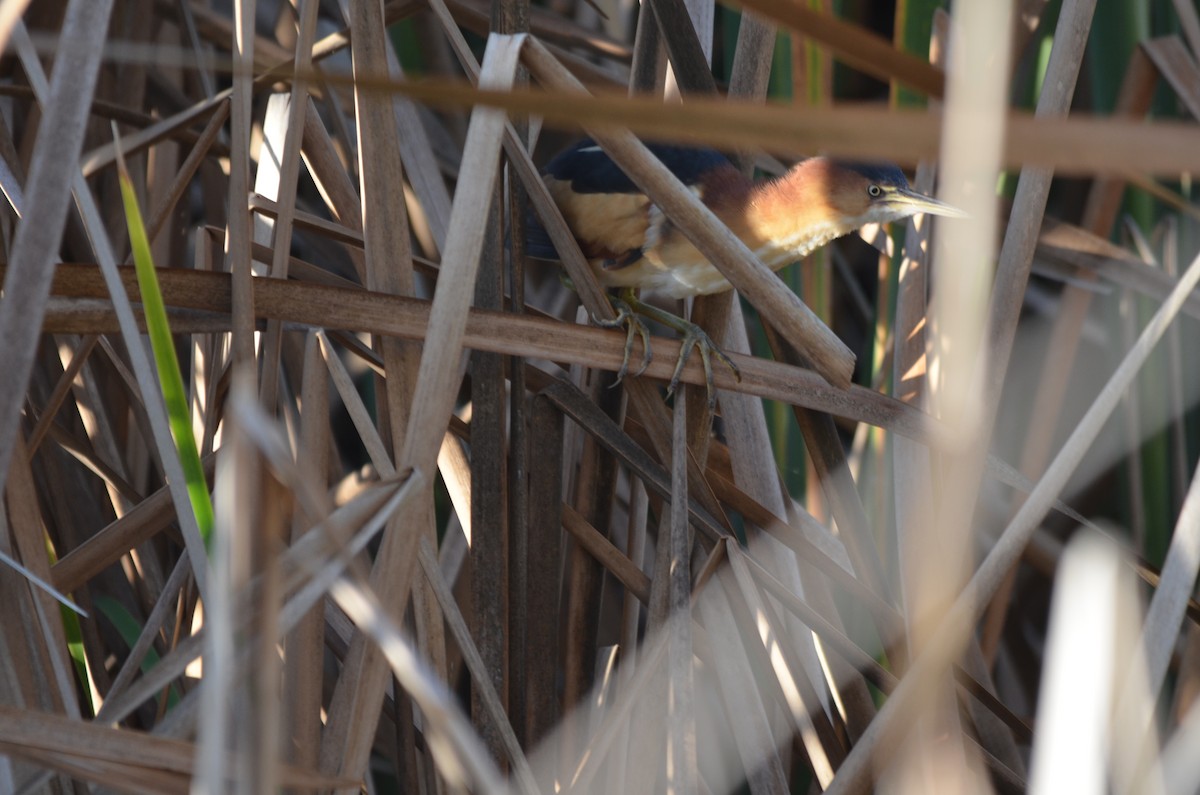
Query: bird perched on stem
[631, 244]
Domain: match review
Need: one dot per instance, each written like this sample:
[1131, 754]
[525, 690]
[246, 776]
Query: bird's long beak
[920, 203]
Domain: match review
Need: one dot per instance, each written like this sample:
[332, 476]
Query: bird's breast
[672, 267]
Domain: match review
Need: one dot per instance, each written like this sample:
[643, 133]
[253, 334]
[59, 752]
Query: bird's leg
[692, 336]
[627, 316]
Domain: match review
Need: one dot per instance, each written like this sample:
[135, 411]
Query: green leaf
[74, 635]
[169, 377]
[130, 630]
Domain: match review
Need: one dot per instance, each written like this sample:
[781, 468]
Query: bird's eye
[874, 191]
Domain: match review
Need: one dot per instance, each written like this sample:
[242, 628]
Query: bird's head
[863, 193]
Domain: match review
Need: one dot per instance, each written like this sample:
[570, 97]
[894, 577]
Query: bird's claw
[629, 314]
[695, 337]
[633, 325]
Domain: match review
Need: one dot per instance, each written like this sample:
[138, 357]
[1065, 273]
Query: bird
[631, 245]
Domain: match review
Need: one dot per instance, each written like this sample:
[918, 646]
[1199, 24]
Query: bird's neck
[790, 217]
[795, 217]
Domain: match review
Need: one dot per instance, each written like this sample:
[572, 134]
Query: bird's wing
[611, 218]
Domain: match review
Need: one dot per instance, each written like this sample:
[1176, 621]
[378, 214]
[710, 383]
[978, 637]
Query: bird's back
[590, 170]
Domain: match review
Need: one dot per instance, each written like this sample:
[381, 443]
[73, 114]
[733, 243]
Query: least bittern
[632, 245]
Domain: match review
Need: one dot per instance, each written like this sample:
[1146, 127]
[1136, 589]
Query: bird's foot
[634, 325]
[696, 337]
[692, 336]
